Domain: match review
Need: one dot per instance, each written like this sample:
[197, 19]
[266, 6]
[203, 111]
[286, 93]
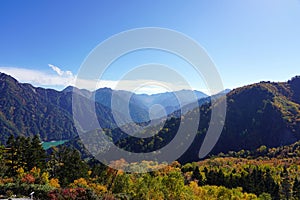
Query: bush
[40, 191]
[68, 193]
[28, 178]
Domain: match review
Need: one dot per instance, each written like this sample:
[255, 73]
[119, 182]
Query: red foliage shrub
[68, 193]
[28, 178]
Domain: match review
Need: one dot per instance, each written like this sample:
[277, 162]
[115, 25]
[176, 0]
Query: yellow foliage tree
[45, 178]
[97, 188]
[81, 182]
[54, 182]
[21, 172]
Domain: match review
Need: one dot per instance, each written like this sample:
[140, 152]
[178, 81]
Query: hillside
[256, 157]
[65, 176]
[26, 110]
[140, 104]
[259, 114]
[264, 113]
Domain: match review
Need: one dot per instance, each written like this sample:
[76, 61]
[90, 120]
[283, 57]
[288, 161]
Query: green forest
[60, 173]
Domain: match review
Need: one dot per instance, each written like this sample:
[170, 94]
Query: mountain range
[27, 110]
[265, 113]
[139, 105]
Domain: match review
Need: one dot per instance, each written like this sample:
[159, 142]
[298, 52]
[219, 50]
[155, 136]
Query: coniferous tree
[230, 181]
[23, 147]
[220, 177]
[197, 176]
[296, 189]
[271, 186]
[53, 164]
[3, 164]
[275, 194]
[242, 180]
[70, 166]
[210, 177]
[285, 184]
[25, 153]
[11, 156]
[36, 154]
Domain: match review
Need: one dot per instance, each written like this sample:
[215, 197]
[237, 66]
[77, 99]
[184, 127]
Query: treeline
[282, 152]
[277, 177]
[61, 174]
[254, 181]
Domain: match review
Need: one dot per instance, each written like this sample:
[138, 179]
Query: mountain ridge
[28, 110]
[265, 113]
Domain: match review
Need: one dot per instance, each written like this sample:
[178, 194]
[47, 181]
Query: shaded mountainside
[26, 110]
[259, 114]
[263, 114]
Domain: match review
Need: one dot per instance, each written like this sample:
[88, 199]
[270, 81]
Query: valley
[259, 143]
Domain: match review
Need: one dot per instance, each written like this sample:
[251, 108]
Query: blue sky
[249, 40]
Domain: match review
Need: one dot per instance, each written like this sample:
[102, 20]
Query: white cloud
[60, 72]
[56, 69]
[60, 79]
[140, 86]
[136, 86]
[40, 78]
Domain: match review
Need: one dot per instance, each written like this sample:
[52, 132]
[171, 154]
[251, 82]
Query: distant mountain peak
[4, 77]
[105, 89]
[68, 89]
